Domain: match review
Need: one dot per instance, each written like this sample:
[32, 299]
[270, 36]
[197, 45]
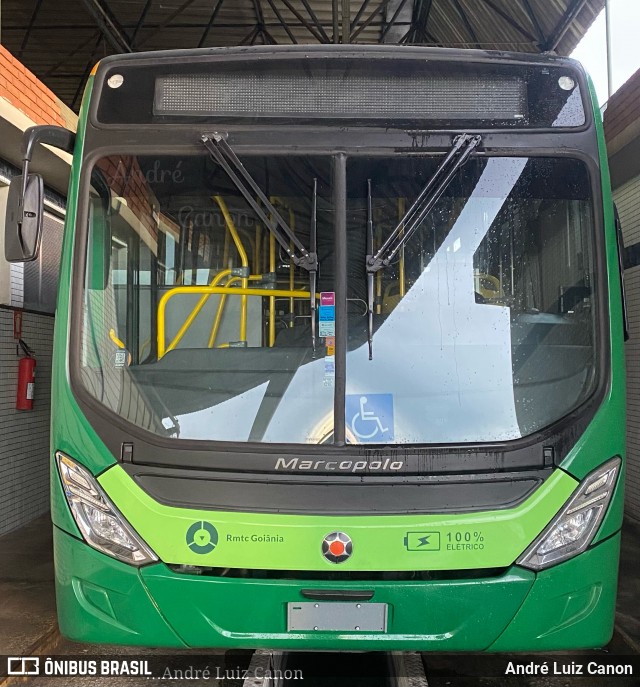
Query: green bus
[338, 352]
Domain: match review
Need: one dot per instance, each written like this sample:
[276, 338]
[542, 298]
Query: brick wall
[25, 92]
[126, 180]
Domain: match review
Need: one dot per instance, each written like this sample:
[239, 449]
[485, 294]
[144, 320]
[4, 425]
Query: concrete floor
[27, 595]
[628, 607]
[28, 625]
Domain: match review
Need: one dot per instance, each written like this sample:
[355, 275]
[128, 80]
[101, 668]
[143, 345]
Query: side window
[620, 239]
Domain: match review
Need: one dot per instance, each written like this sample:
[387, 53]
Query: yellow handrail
[212, 290]
[114, 337]
[232, 231]
[218, 319]
[220, 311]
[272, 270]
[192, 316]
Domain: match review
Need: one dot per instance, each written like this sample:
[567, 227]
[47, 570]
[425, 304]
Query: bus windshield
[197, 324]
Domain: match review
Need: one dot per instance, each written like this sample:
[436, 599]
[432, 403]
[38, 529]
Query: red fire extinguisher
[26, 378]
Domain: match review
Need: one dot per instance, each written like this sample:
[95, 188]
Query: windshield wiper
[460, 152]
[223, 154]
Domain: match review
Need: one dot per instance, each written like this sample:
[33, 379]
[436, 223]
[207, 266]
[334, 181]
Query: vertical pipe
[346, 21]
[292, 270]
[511, 258]
[272, 300]
[336, 21]
[256, 256]
[607, 14]
[402, 273]
[340, 286]
[218, 319]
[244, 261]
[225, 254]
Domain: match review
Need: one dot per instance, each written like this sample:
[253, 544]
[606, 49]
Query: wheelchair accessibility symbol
[370, 417]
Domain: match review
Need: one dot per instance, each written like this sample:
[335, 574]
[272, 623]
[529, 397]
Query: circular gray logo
[202, 537]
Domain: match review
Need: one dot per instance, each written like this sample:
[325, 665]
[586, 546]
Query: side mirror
[25, 209]
[25, 212]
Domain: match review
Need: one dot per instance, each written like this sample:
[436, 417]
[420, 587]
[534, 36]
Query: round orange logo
[337, 547]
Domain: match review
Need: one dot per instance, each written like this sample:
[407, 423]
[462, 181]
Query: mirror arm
[55, 136]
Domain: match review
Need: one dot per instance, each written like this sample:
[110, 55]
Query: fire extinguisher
[26, 378]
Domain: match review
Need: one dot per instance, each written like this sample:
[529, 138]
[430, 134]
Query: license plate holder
[336, 616]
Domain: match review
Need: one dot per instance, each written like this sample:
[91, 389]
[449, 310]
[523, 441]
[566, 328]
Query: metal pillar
[607, 14]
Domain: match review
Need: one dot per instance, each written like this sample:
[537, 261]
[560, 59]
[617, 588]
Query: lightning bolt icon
[422, 541]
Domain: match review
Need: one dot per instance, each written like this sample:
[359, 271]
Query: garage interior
[59, 42]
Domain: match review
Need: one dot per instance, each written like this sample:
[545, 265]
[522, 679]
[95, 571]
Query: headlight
[102, 525]
[573, 529]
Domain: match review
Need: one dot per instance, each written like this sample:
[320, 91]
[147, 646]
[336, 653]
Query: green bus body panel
[102, 600]
[489, 539]
[70, 430]
[459, 615]
[605, 435]
[571, 605]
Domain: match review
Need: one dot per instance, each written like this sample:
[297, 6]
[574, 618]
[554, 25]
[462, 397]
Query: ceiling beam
[573, 10]
[510, 20]
[315, 20]
[467, 23]
[210, 23]
[282, 20]
[418, 31]
[166, 22]
[68, 56]
[108, 26]
[32, 21]
[257, 8]
[391, 23]
[380, 9]
[250, 37]
[87, 70]
[304, 21]
[542, 39]
[359, 13]
[143, 16]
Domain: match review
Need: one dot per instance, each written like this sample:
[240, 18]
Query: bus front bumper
[569, 606]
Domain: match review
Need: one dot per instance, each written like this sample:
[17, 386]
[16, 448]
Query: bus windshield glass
[197, 324]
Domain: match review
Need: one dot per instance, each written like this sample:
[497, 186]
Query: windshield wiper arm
[224, 155]
[461, 150]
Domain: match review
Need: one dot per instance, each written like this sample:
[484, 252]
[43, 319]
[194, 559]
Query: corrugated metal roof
[60, 40]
